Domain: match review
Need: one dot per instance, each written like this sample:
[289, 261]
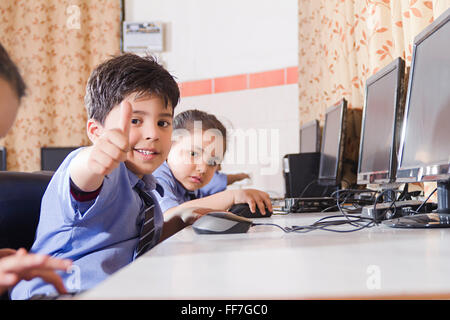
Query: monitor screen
[52, 157]
[309, 137]
[425, 147]
[332, 144]
[378, 148]
[2, 159]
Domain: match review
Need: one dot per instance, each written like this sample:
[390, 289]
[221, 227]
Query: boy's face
[9, 104]
[150, 132]
[194, 159]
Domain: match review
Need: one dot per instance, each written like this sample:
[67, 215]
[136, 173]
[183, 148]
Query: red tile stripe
[239, 82]
[291, 75]
[233, 83]
[267, 79]
[196, 88]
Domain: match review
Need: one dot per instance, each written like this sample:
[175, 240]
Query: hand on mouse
[253, 198]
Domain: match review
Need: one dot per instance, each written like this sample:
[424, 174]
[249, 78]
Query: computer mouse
[221, 222]
[243, 210]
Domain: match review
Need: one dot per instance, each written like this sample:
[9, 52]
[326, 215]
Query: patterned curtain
[56, 44]
[343, 42]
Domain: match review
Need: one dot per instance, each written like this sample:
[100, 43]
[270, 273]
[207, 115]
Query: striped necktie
[191, 195]
[148, 226]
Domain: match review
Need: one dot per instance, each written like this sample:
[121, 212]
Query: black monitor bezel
[43, 149]
[384, 176]
[308, 124]
[336, 179]
[438, 172]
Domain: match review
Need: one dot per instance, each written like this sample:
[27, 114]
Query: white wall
[213, 38]
[268, 114]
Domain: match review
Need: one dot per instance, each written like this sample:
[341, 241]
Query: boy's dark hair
[185, 120]
[10, 73]
[113, 80]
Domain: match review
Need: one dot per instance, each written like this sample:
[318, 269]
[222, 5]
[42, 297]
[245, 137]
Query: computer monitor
[332, 148]
[310, 137]
[381, 125]
[2, 159]
[425, 146]
[52, 157]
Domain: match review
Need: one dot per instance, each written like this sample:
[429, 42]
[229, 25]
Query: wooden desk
[266, 263]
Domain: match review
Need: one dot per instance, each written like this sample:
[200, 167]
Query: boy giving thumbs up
[93, 210]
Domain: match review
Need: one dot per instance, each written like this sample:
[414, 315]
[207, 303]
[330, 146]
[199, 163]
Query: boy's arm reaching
[224, 200]
[90, 166]
[232, 178]
[180, 217]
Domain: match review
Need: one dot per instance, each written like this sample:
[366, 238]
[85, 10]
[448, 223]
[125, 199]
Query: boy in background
[191, 164]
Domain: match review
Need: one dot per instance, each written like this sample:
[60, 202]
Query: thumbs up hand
[109, 149]
[126, 112]
[112, 145]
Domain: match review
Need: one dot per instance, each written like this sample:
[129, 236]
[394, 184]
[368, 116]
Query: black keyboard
[301, 205]
[315, 204]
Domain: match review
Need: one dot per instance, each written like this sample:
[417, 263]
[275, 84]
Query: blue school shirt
[174, 192]
[218, 183]
[100, 235]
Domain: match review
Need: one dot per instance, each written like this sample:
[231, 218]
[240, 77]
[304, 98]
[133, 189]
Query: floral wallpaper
[56, 44]
[343, 42]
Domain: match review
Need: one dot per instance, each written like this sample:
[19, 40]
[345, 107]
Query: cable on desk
[329, 208]
[388, 192]
[401, 197]
[307, 186]
[423, 203]
[347, 196]
[322, 224]
[356, 221]
[325, 223]
[270, 224]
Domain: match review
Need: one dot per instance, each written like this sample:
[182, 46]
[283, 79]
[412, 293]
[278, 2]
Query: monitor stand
[439, 218]
[443, 195]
